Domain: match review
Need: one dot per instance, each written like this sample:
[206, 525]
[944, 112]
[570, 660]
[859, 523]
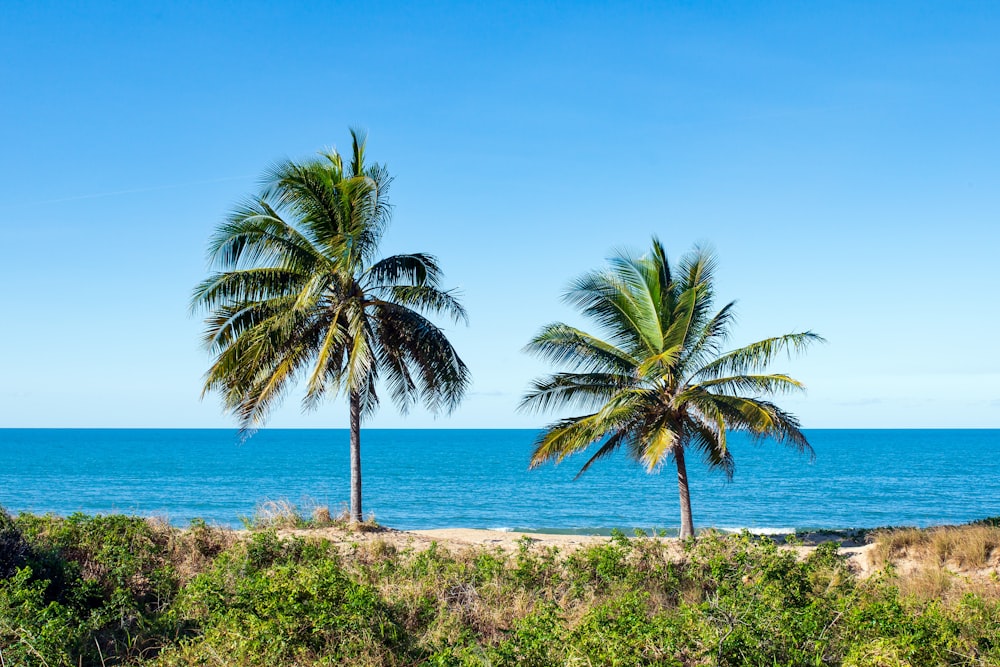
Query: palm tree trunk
[355, 457]
[687, 525]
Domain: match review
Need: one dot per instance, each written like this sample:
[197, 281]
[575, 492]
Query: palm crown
[659, 383]
[298, 294]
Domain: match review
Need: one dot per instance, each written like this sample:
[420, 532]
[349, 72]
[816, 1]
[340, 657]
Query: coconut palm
[298, 295]
[658, 382]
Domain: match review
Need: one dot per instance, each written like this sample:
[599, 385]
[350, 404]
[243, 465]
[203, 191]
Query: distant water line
[479, 479]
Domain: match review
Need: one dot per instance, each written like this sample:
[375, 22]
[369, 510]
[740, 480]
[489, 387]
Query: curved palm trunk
[355, 457]
[687, 525]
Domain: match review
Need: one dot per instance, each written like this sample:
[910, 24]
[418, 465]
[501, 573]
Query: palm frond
[255, 370]
[575, 434]
[609, 447]
[359, 137]
[412, 269]
[607, 298]
[411, 346]
[328, 367]
[245, 286]
[361, 363]
[381, 209]
[756, 356]
[697, 272]
[255, 402]
[425, 299]
[774, 383]
[660, 366]
[227, 323]
[760, 419]
[641, 293]
[581, 390]
[565, 345]
[710, 338]
[310, 192]
[255, 235]
[657, 444]
[697, 268]
[682, 320]
[658, 258]
[709, 439]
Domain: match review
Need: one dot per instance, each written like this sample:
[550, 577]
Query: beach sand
[858, 555]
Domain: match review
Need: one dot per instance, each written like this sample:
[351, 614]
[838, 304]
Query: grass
[283, 514]
[970, 546]
[944, 563]
[124, 591]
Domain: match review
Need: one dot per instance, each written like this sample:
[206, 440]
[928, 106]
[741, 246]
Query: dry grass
[446, 581]
[276, 514]
[930, 583]
[285, 515]
[192, 551]
[944, 562]
[973, 546]
[895, 543]
[369, 525]
[321, 516]
[967, 547]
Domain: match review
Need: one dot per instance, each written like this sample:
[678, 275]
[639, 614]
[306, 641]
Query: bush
[14, 549]
[98, 591]
[272, 602]
[34, 631]
[106, 577]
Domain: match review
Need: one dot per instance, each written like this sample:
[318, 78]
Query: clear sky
[843, 159]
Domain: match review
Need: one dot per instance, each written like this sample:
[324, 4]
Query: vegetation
[658, 382]
[116, 590]
[299, 294]
[285, 515]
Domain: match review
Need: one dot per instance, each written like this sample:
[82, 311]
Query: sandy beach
[858, 554]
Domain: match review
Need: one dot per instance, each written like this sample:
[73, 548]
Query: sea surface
[480, 479]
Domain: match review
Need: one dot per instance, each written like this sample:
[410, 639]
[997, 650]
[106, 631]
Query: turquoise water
[479, 479]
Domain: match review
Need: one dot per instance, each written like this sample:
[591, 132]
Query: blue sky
[841, 158]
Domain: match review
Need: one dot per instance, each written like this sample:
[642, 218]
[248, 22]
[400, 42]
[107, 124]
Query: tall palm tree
[299, 295]
[658, 383]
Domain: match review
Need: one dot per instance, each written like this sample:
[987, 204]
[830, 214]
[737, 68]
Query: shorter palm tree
[658, 382]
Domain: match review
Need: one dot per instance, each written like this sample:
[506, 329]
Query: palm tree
[658, 382]
[298, 295]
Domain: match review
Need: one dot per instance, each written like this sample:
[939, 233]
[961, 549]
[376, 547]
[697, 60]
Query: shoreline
[847, 537]
[858, 554]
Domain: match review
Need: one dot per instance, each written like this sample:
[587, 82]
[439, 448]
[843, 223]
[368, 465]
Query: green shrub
[992, 521]
[599, 566]
[538, 641]
[34, 631]
[108, 577]
[103, 591]
[621, 631]
[14, 549]
[272, 602]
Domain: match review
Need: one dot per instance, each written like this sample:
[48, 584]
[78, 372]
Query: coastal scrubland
[121, 590]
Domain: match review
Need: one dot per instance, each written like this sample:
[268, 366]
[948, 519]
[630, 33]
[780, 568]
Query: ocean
[480, 479]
